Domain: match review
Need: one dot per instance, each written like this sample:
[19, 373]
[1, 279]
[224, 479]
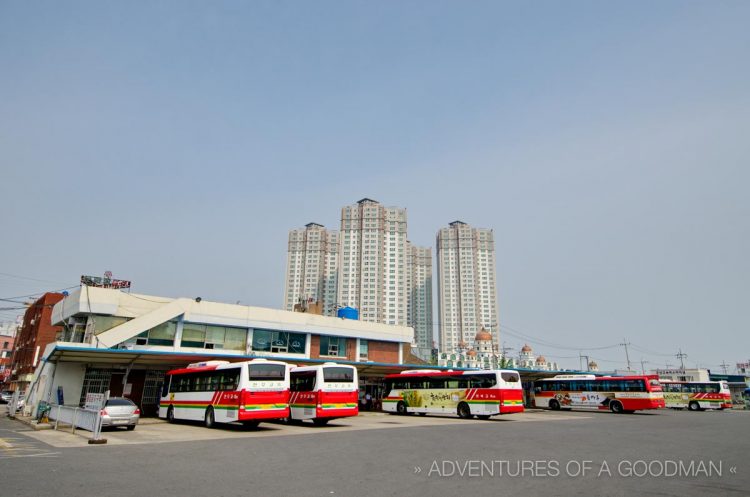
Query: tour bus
[224, 392]
[323, 392]
[466, 393]
[697, 395]
[619, 394]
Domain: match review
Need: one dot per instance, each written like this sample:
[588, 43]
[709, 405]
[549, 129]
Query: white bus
[465, 393]
[323, 392]
[697, 395]
[224, 392]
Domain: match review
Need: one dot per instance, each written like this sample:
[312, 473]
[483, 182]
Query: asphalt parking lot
[534, 453]
[152, 431]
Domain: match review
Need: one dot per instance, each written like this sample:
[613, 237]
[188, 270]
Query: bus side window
[417, 383]
[509, 377]
[437, 383]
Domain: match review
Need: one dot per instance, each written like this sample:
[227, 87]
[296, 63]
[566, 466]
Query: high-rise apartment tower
[373, 262]
[467, 295]
[312, 268]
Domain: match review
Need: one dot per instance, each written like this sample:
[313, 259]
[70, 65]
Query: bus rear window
[266, 372]
[339, 375]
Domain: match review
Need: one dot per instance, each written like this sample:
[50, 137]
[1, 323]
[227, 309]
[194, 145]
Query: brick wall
[382, 351]
[377, 351]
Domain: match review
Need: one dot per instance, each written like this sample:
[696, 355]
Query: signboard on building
[105, 281]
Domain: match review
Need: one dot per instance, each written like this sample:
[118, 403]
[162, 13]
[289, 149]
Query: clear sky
[606, 143]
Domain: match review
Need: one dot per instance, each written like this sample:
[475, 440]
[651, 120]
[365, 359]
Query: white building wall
[70, 377]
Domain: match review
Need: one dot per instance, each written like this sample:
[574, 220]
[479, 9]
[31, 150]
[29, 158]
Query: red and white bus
[323, 392]
[466, 393]
[619, 394]
[224, 392]
[697, 395]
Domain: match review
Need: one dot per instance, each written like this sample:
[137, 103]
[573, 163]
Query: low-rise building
[686, 374]
[33, 336]
[121, 342]
[8, 331]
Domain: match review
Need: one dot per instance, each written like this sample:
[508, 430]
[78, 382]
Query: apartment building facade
[312, 268]
[467, 295]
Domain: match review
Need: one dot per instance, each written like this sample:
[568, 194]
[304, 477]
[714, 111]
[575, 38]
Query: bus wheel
[401, 407]
[170, 414]
[554, 405]
[694, 406]
[484, 417]
[464, 411]
[616, 407]
[209, 420]
[320, 421]
[251, 424]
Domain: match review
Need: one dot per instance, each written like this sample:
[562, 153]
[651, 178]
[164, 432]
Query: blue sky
[176, 143]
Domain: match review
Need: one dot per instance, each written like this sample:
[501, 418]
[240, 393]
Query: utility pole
[725, 367]
[681, 356]
[580, 357]
[625, 344]
[643, 370]
[504, 356]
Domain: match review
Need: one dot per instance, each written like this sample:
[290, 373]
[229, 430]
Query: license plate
[120, 421]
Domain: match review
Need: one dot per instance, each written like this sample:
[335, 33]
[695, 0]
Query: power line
[38, 294]
[20, 277]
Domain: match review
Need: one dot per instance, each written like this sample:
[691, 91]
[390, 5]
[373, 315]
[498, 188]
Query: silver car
[119, 411]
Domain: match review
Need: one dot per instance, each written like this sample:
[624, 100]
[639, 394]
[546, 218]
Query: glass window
[193, 335]
[482, 381]
[229, 379]
[235, 339]
[303, 381]
[332, 346]
[279, 341]
[215, 336]
[363, 349]
[437, 382]
[266, 372]
[162, 334]
[510, 377]
[104, 323]
[338, 374]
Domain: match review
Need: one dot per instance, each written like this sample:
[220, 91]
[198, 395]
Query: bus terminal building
[124, 343]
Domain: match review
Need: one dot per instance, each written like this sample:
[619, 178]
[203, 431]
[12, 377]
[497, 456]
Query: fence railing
[77, 417]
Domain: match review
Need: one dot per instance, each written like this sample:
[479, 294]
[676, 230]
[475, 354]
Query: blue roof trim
[207, 352]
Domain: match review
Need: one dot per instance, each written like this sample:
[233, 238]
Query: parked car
[5, 397]
[119, 411]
